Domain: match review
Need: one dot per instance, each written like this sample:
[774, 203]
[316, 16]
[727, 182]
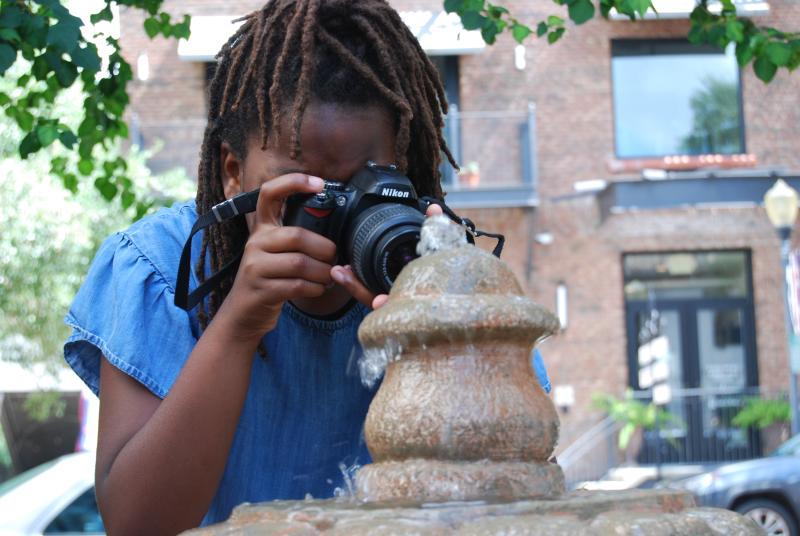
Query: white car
[56, 497]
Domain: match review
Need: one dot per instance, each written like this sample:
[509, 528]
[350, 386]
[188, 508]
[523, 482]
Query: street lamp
[781, 203]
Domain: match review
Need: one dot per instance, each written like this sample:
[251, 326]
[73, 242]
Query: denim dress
[300, 431]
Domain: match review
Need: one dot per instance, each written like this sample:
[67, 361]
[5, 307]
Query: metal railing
[495, 149]
[700, 431]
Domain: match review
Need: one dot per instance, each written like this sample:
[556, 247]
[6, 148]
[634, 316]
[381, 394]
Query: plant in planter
[770, 415]
[636, 417]
[469, 176]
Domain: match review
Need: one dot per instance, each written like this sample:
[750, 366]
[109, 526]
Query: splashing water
[348, 491]
[373, 361]
[438, 233]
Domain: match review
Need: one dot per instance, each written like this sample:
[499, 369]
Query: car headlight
[700, 484]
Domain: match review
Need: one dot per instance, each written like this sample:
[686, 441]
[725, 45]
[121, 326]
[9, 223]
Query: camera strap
[470, 226]
[246, 202]
[228, 209]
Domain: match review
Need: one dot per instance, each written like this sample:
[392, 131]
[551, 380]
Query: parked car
[56, 497]
[766, 490]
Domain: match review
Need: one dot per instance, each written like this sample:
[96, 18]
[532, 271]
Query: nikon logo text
[391, 192]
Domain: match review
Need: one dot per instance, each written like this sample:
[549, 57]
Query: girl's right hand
[279, 263]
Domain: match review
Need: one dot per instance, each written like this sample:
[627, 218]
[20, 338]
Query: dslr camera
[375, 221]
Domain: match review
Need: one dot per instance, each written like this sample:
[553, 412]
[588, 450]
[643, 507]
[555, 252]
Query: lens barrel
[383, 239]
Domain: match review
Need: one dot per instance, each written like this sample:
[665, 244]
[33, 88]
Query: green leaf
[735, 31]
[778, 53]
[764, 68]
[552, 20]
[520, 32]
[64, 35]
[66, 73]
[127, 199]
[25, 120]
[29, 145]
[47, 134]
[496, 12]
[70, 182]
[10, 16]
[107, 189]
[541, 29]
[40, 68]
[104, 14]
[472, 20]
[625, 435]
[640, 6]
[5, 100]
[68, 138]
[581, 11]
[451, 6]
[86, 57]
[85, 166]
[555, 35]
[184, 29]
[7, 34]
[489, 32]
[152, 27]
[743, 53]
[7, 57]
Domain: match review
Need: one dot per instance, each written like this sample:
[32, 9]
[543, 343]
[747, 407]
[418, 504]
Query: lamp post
[781, 202]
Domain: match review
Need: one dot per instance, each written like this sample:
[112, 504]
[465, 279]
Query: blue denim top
[301, 425]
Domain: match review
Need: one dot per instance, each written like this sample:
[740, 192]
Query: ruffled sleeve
[125, 311]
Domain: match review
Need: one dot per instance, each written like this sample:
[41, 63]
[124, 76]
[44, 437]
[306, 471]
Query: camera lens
[383, 240]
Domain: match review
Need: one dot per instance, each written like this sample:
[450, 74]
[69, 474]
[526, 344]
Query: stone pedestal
[460, 414]
[651, 513]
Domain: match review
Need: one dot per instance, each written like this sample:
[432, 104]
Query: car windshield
[790, 448]
[21, 478]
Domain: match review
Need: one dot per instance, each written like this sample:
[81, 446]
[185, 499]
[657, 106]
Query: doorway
[691, 351]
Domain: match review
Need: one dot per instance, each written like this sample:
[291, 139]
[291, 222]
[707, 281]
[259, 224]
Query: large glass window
[696, 275]
[672, 97]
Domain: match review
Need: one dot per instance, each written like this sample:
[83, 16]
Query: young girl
[192, 421]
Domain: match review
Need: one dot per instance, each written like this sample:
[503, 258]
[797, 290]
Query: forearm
[163, 479]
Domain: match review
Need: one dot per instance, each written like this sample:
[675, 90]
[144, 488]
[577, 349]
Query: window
[694, 275]
[675, 98]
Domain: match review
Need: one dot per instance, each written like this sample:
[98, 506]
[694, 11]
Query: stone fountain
[460, 431]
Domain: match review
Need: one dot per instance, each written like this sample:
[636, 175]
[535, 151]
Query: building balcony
[496, 151]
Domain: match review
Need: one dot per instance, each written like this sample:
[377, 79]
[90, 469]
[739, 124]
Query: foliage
[767, 48]
[56, 50]
[715, 119]
[50, 235]
[633, 414]
[762, 412]
[52, 47]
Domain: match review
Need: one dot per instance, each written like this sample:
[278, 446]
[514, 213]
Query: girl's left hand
[345, 277]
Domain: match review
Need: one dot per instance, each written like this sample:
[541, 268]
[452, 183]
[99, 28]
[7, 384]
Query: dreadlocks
[354, 52]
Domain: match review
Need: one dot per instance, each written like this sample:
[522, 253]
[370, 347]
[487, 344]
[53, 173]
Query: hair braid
[290, 53]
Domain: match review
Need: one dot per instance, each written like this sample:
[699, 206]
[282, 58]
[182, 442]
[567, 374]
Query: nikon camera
[375, 221]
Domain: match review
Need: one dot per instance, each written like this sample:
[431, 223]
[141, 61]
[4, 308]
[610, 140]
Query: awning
[681, 9]
[439, 33]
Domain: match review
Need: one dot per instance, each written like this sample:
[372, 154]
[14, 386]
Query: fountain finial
[460, 414]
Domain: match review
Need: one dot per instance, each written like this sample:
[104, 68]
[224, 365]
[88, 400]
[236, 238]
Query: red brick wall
[570, 83]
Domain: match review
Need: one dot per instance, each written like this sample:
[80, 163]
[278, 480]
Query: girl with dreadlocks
[192, 421]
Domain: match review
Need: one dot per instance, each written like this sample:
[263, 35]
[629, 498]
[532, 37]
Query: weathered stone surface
[439, 481]
[578, 514]
[461, 387]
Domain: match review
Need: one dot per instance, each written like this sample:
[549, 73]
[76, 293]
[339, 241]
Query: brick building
[594, 159]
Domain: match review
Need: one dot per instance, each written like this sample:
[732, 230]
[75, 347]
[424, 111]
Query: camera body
[374, 219]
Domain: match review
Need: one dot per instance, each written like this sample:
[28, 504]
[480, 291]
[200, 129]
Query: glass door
[691, 351]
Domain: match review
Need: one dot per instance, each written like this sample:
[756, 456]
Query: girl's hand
[279, 263]
[344, 276]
